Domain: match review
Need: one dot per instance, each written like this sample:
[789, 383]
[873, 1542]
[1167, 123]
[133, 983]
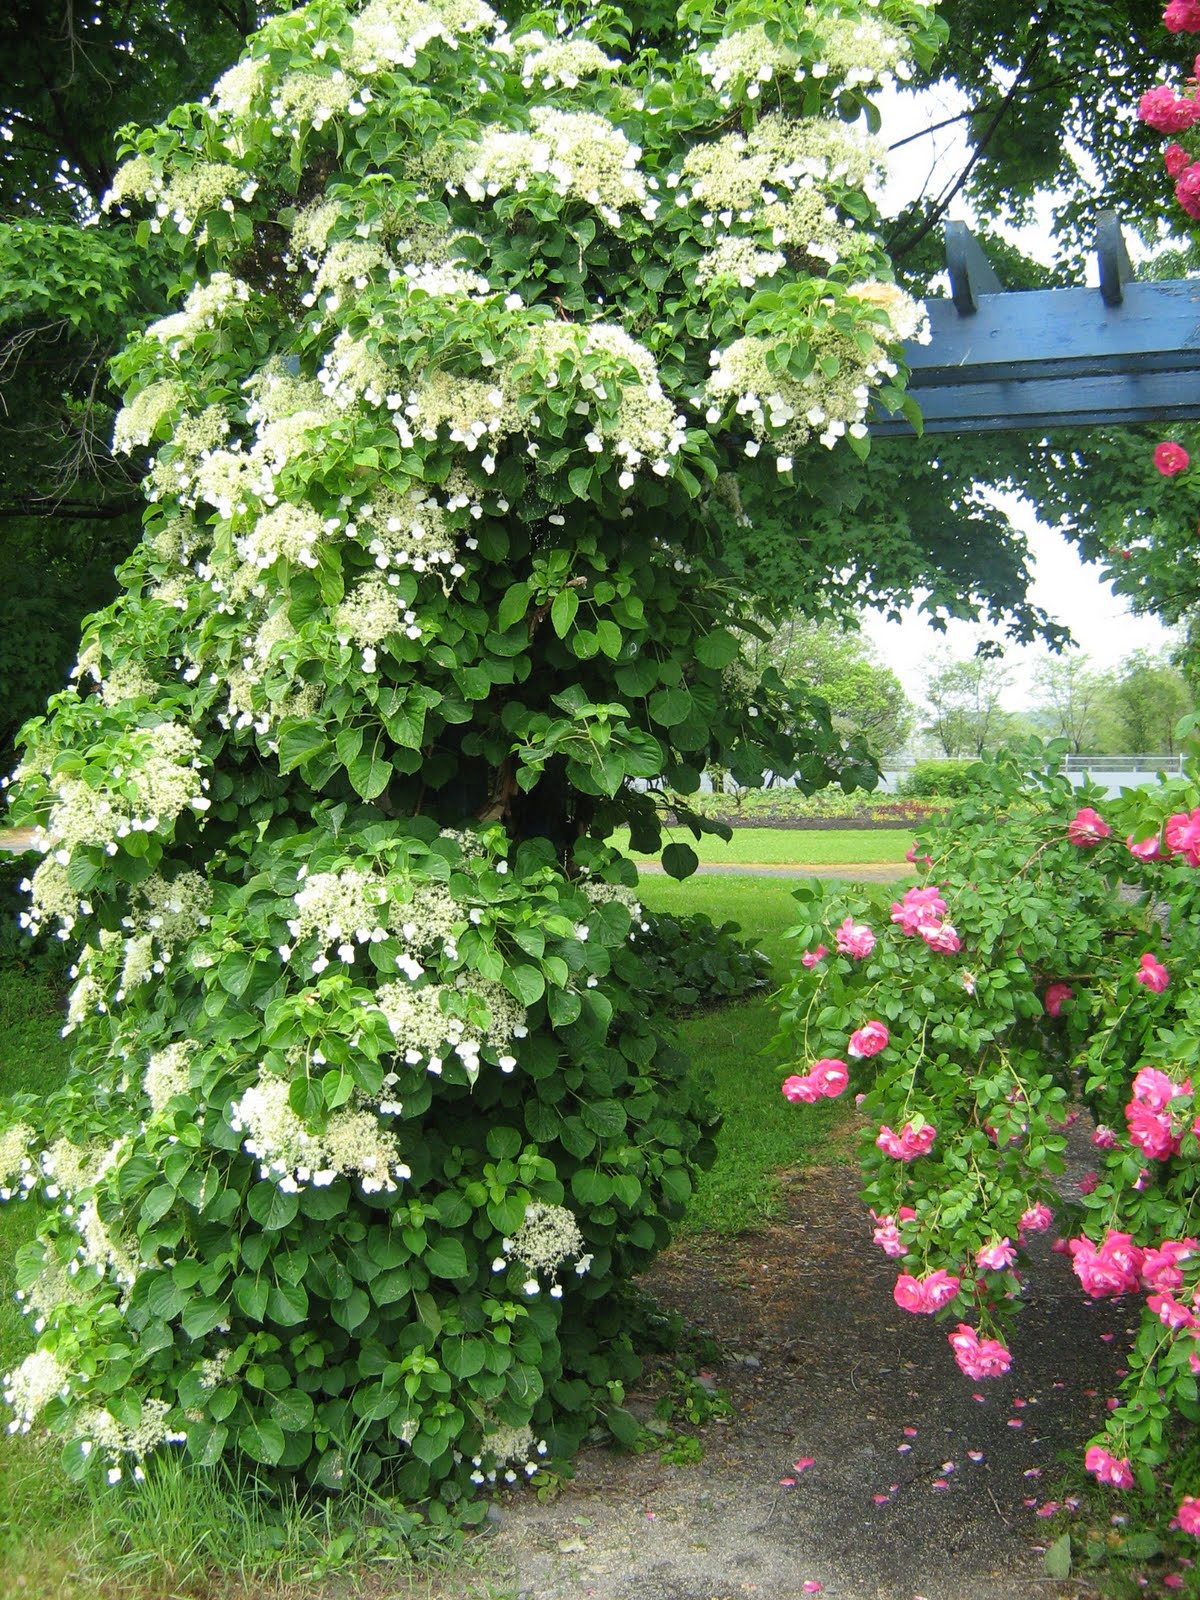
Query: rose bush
[1071, 991]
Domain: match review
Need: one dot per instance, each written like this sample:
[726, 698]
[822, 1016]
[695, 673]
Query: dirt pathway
[923, 1485]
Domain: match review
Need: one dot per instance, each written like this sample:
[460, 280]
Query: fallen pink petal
[1015, 1422]
[811, 1586]
[940, 1483]
[981, 1398]
[1033, 1472]
[1173, 1580]
[975, 1455]
[881, 1499]
[903, 1449]
[803, 1464]
[910, 1433]
[1108, 1337]
[788, 1483]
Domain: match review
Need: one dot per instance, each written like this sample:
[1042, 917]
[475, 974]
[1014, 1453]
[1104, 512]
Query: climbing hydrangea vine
[477, 319]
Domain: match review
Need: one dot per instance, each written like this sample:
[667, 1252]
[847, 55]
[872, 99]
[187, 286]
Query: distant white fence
[1113, 773]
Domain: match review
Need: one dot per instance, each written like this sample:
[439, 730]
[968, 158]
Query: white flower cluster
[737, 260]
[55, 1285]
[389, 33]
[137, 422]
[445, 281]
[908, 318]
[406, 530]
[351, 1143]
[133, 180]
[602, 894]
[235, 91]
[103, 1249]
[371, 613]
[17, 1171]
[864, 50]
[204, 307]
[423, 1031]
[310, 232]
[287, 533]
[429, 919]
[352, 371]
[582, 154]
[174, 911]
[29, 1388]
[746, 59]
[161, 777]
[472, 410]
[342, 908]
[548, 1236]
[139, 965]
[503, 1445]
[184, 460]
[647, 426]
[785, 412]
[127, 680]
[168, 1073]
[51, 899]
[566, 61]
[98, 1427]
[308, 100]
[348, 264]
[199, 188]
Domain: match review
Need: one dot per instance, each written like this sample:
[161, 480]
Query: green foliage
[939, 780]
[694, 962]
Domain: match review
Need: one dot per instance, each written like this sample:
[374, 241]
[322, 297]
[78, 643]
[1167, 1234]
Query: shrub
[691, 962]
[949, 780]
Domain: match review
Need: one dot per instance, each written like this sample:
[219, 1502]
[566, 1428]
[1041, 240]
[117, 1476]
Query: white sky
[1070, 590]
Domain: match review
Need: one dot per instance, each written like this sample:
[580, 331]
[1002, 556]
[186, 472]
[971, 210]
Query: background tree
[1149, 699]
[966, 717]
[867, 700]
[1072, 701]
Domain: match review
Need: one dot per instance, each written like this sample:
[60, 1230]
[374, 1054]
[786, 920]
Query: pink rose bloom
[1188, 1515]
[1151, 1131]
[811, 958]
[1108, 1468]
[925, 1295]
[1088, 1183]
[1105, 1138]
[996, 1257]
[869, 1040]
[854, 939]
[919, 908]
[799, 1090]
[1160, 1264]
[1152, 973]
[1175, 158]
[941, 936]
[1113, 1269]
[1056, 997]
[1182, 16]
[976, 1357]
[911, 853]
[1165, 111]
[829, 1077]
[1183, 834]
[1037, 1219]
[1087, 827]
[1151, 849]
[1155, 1090]
[1170, 457]
[908, 1294]
[1170, 1312]
[887, 1237]
[909, 1143]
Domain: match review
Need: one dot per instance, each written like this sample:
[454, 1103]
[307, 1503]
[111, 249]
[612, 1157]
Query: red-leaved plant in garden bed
[1044, 970]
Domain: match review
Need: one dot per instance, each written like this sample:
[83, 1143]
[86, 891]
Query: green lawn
[806, 847]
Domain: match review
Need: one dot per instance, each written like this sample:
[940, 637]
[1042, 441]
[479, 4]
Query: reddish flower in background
[1183, 834]
[1160, 1265]
[1152, 973]
[941, 936]
[918, 861]
[1087, 827]
[1175, 158]
[1151, 849]
[812, 958]
[1037, 1219]
[996, 1257]
[1113, 1269]
[1165, 111]
[1182, 16]
[909, 1143]
[920, 908]
[1170, 457]
[830, 1076]
[1188, 1516]
[854, 939]
[1057, 996]
[928, 1294]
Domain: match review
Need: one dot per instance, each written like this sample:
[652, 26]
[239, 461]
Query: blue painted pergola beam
[1042, 358]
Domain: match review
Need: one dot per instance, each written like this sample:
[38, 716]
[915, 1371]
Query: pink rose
[1170, 457]
[1037, 1219]
[1175, 158]
[919, 908]
[1170, 1312]
[918, 861]
[1152, 973]
[1155, 1090]
[854, 939]
[1165, 111]
[909, 1143]
[1104, 1138]
[799, 1090]
[1109, 1468]
[978, 1358]
[1087, 827]
[811, 958]
[1113, 1269]
[940, 936]
[868, 1040]
[1151, 849]
[1183, 834]
[1188, 1515]
[996, 1257]
[1151, 1132]
[928, 1294]
[1160, 1264]
[1056, 997]
[1182, 16]
[908, 1294]
[887, 1237]
[829, 1077]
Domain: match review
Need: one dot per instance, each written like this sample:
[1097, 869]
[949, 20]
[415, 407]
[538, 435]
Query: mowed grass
[762, 1135]
[793, 847]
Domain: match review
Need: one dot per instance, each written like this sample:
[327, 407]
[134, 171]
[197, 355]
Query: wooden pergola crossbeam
[1125, 352]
